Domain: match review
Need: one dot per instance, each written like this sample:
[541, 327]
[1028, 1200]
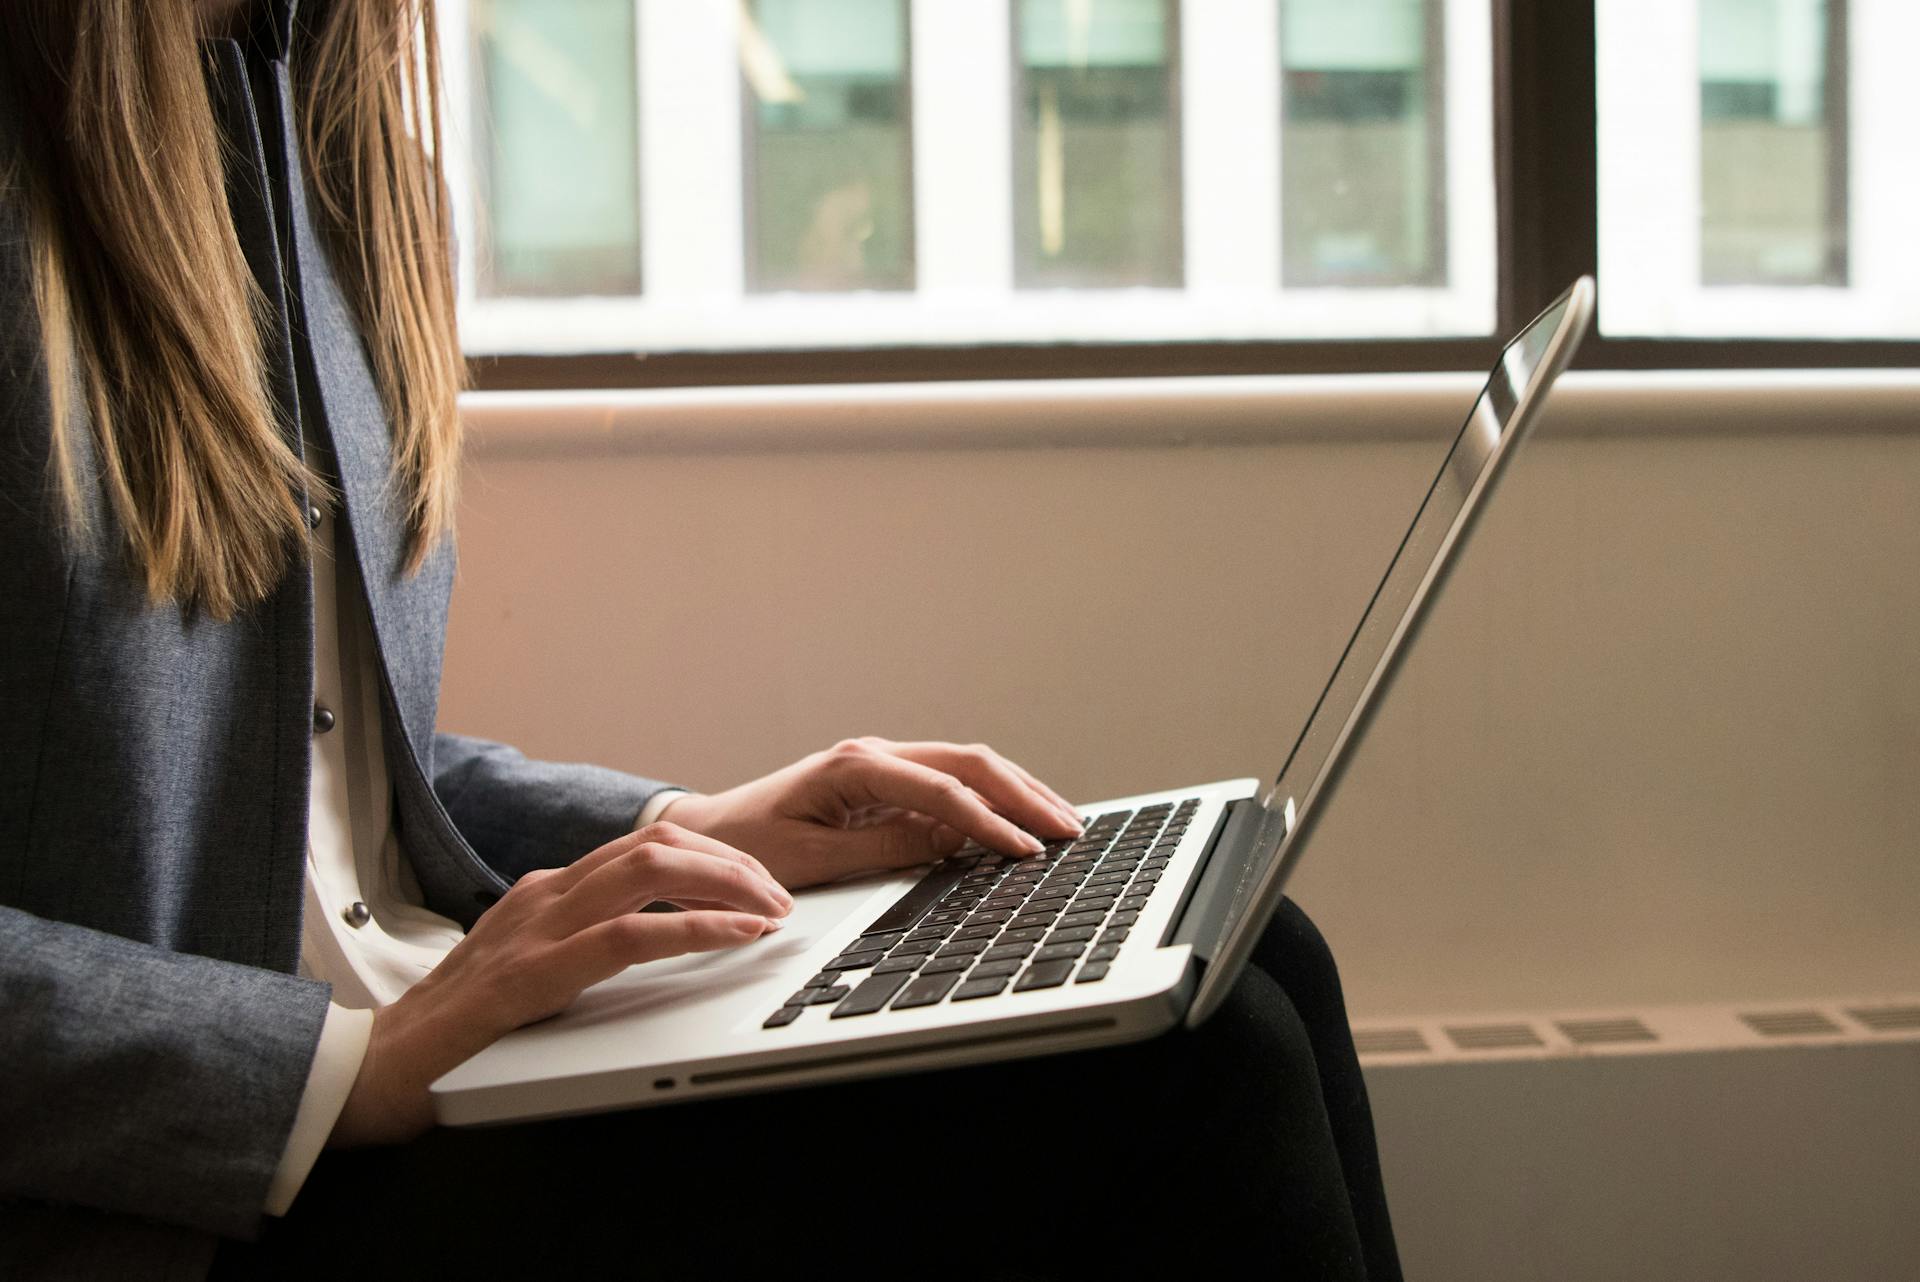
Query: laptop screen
[1485, 427]
[1527, 364]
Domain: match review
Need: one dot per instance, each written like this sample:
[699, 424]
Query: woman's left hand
[869, 803]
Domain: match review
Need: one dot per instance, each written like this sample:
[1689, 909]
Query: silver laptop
[1141, 924]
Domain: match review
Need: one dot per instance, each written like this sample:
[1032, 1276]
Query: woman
[254, 904]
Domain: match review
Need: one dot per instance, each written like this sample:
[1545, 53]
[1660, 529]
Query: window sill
[1171, 412]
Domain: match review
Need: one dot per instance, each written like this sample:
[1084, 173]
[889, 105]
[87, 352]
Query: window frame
[1546, 234]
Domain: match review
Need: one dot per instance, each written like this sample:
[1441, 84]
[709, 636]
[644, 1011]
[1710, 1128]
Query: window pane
[1097, 150]
[1360, 147]
[558, 151]
[1772, 165]
[829, 153]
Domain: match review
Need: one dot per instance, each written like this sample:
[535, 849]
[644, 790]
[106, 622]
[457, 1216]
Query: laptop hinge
[1202, 916]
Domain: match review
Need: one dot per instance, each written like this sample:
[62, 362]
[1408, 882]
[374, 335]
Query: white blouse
[365, 929]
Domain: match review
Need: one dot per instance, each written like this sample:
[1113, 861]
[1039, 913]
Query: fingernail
[774, 923]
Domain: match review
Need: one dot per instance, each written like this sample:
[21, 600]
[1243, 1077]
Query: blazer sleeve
[144, 1081]
[133, 1079]
[520, 814]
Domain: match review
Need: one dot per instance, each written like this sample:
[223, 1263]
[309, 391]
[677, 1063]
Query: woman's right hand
[556, 932]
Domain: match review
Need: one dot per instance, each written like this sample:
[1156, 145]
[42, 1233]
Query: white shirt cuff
[336, 1063]
[656, 803]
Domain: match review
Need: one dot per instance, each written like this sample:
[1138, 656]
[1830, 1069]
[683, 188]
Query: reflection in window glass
[556, 121]
[1096, 151]
[1360, 151]
[1772, 146]
[829, 148]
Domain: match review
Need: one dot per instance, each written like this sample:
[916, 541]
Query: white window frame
[1648, 68]
[692, 176]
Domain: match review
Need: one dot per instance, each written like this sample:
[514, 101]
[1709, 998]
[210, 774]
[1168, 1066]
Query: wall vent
[1790, 1023]
[1605, 1032]
[1389, 1041]
[1493, 1037]
[1888, 1019]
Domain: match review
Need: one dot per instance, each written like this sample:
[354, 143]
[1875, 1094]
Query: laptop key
[979, 988]
[1004, 952]
[923, 894]
[854, 961]
[965, 948]
[822, 996]
[875, 991]
[1059, 952]
[1004, 968]
[897, 965]
[928, 990]
[1046, 974]
[782, 1017]
[1103, 952]
[1073, 935]
[1021, 935]
[942, 965]
[986, 930]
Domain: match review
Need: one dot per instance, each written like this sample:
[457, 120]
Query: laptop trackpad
[706, 984]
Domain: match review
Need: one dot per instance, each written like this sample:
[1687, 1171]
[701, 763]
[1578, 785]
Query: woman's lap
[1201, 1144]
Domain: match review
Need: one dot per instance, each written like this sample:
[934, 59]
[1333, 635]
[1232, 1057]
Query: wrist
[681, 807]
[657, 806]
[412, 1043]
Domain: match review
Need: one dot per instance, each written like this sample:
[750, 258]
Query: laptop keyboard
[980, 924]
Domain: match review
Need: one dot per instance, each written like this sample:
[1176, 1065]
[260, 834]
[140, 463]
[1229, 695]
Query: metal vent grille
[1602, 1032]
[1888, 1019]
[1493, 1037]
[1790, 1023]
[1389, 1041]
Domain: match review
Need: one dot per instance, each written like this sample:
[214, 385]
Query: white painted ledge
[1171, 411]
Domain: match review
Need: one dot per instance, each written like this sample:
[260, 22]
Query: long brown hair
[146, 304]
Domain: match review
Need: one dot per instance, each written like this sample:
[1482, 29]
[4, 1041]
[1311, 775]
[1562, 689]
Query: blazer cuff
[336, 1063]
[656, 803]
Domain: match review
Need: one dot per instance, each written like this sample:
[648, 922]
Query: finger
[994, 778]
[652, 870]
[610, 947]
[1035, 781]
[670, 834]
[880, 778]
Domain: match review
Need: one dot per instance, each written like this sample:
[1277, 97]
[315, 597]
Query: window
[1363, 143]
[701, 175]
[934, 188]
[1773, 144]
[1098, 154]
[829, 178]
[558, 158]
[1756, 169]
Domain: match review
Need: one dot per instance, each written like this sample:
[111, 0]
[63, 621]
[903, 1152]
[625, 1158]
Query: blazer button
[313, 516]
[357, 914]
[322, 719]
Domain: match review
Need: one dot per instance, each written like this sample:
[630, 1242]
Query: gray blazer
[154, 1038]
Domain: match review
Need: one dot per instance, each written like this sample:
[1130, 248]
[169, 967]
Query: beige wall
[1658, 744]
